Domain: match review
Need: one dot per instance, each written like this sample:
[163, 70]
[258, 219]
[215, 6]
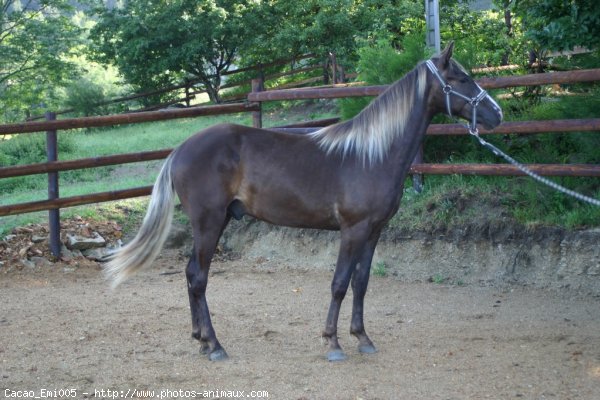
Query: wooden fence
[51, 126]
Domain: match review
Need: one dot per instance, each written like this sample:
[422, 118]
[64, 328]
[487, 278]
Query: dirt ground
[62, 328]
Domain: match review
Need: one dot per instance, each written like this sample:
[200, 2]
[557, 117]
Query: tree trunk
[213, 93]
[509, 33]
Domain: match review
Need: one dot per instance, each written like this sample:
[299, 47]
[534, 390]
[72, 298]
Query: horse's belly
[290, 211]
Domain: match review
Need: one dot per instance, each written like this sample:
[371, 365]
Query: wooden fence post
[257, 86]
[333, 68]
[188, 94]
[53, 214]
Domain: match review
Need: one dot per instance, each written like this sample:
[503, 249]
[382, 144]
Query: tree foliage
[559, 24]
[481, 36]
[35, 43]
[320, 27]
[155, 43]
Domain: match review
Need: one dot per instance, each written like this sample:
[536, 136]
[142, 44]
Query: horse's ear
[446, 54]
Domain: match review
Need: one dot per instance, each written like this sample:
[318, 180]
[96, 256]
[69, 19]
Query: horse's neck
[405, 147]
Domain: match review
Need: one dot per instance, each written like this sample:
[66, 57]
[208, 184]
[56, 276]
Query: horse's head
[457, 94]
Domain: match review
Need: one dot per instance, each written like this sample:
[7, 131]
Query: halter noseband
[447, 89]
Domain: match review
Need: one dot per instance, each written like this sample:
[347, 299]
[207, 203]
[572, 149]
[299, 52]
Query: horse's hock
[543, 258]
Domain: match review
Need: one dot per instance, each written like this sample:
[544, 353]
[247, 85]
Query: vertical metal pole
[257, 86]
[54, 214]
[432, 18]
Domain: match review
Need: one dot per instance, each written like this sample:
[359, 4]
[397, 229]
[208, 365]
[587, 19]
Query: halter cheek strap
[448, 90]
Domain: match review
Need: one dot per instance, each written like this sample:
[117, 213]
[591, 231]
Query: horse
[347, 177]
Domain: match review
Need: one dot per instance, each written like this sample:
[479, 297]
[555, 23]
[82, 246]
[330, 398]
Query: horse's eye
[459, 78]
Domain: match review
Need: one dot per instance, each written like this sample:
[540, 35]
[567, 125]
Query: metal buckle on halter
[477, 99]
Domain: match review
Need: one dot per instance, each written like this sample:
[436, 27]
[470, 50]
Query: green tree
[482, 37]
[320, 27]
[158, 43]
[35, 43]
[559, 24]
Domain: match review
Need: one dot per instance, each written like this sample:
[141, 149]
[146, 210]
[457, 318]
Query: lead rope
[473, 131]
[532, 174]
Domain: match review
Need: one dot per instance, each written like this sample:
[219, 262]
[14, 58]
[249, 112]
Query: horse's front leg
[360, 281]
[351, 247]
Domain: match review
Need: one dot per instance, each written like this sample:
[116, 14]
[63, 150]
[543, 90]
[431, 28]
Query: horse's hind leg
[192, 271]
[206, 235]
[360, 281]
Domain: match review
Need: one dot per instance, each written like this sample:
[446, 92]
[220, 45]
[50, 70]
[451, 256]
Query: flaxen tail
[145, 247]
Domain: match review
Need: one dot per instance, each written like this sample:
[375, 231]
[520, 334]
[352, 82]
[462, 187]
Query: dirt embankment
[488, 254]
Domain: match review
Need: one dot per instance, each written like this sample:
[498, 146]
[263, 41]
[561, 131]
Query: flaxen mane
[370, 134]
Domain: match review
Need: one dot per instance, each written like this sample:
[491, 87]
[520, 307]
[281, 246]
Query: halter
[448, 90]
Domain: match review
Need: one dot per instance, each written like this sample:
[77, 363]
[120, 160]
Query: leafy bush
[85, 97]
[381, 64]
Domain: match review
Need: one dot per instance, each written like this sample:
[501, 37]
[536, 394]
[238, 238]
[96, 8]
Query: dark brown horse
[347, 177]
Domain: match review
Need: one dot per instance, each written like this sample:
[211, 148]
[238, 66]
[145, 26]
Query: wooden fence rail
[109, 120]
[73, 201]
[93, 162]
[253, 105]
[587, 75]
[507, 169]
[517, 127]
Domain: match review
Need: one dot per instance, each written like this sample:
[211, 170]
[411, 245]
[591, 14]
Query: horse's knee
[196, 281]
[197, 286]
[359, 288]
[338, 290]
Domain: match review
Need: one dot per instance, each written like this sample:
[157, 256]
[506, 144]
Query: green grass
[438, 279]
[481, 201]
[379, 269]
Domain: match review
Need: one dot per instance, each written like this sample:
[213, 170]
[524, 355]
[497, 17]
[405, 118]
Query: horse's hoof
[218, 355]
[367, 349]
[336, 355]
